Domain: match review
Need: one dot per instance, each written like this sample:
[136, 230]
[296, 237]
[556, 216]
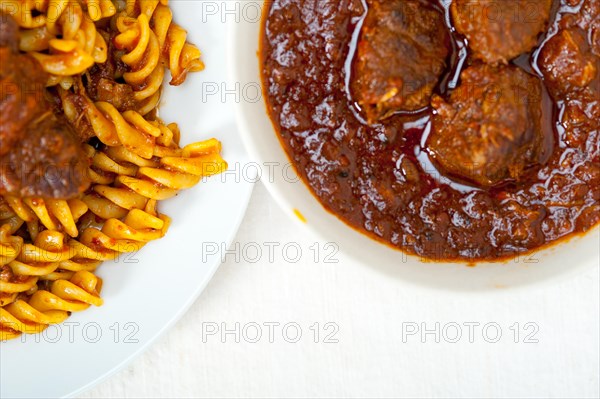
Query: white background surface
[371, 358]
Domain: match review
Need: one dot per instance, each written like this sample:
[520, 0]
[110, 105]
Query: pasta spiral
[151, 41]
[51, 306]
[38, 260]
[63, 37]
[51, 213]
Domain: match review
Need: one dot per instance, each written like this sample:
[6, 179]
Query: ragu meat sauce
[485, 172]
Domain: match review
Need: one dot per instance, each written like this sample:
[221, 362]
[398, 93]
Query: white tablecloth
[362, 333]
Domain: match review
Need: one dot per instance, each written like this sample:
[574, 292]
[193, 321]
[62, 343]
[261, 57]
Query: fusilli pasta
[106, 61]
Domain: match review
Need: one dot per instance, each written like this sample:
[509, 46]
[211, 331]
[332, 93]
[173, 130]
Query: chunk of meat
[40, 154]
[77, 102]
[490, 130]
[567, 63]
[9, 31]
[22, 84]
[22, 89]
[500, 30]
[102, 81]
[402, 52]
[120, 95]
[47, 162]
[591, 9]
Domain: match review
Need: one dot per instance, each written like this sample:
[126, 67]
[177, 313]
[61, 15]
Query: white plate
[573, 256]
[146, 293]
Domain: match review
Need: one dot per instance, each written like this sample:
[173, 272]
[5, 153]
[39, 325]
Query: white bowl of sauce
[267, 146]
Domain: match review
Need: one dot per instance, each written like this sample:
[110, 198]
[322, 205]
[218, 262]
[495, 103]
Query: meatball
[401, 54]
[567, 63]
[22, 83]
[47, 162]
[490, 129]
[9, 31]
[500, 30]
[40, 154]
